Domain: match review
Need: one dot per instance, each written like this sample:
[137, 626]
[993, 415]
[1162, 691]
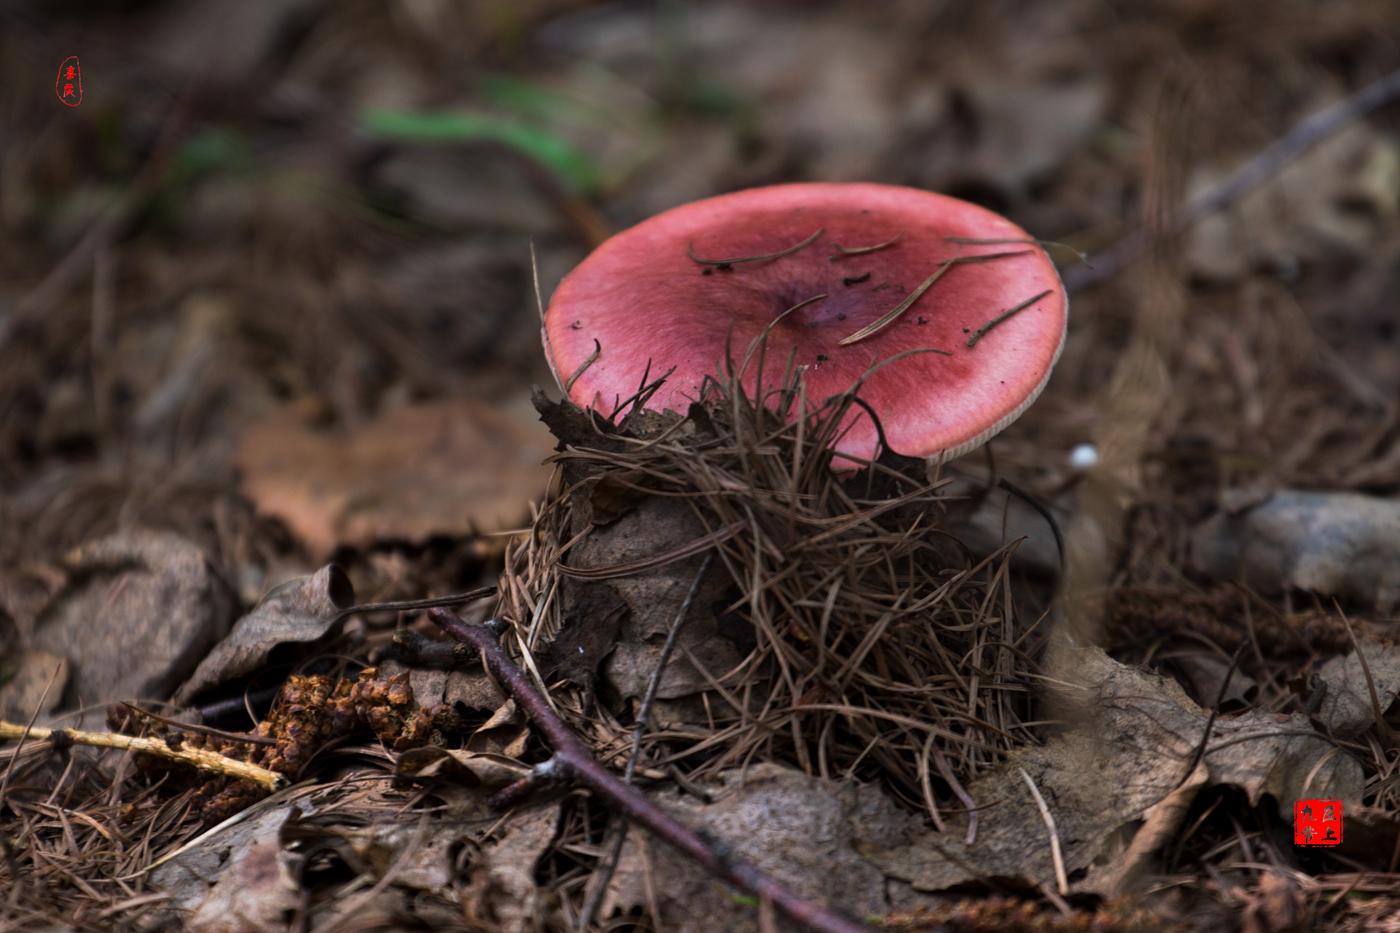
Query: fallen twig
[574, 759]
[195, 757]
[1303, 136]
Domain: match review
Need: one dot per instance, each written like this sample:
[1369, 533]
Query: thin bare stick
[890, 316]
[1303, 136]
[1061, 879]
[982, 331]
[195, 757]
[202, 730]
[605, 874]
[571, 754]
[765, 257]
[404, 605]
[844, 251]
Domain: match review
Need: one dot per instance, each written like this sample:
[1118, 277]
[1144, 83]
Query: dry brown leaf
[255, 893]
[1279, 906]
[1308, 211]
[453, 467]
[474, 769]
[652, 600]
[1138, 740]
[804, 831]
[1347, 707]
[138, 611]
[189, 877]
[502, 894]
[505, 733]
[301, 611]
[1334, 543]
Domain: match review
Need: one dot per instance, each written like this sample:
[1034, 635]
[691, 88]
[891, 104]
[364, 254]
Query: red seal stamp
[1317, 822]
[69, 86]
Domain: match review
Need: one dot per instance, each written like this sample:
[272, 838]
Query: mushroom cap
[659, 294]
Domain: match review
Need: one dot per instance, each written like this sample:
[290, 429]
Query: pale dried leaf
[1347, 707]
[448, 468]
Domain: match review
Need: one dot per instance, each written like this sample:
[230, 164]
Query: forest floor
[268, 338]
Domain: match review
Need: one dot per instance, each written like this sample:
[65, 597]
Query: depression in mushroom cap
[840, 259]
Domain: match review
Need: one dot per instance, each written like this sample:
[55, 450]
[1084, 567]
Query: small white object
[1084, 456]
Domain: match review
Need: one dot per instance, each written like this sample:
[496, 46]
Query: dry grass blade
[764, 257]
[843, 251]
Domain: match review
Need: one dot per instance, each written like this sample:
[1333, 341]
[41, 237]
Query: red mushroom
[842, 275]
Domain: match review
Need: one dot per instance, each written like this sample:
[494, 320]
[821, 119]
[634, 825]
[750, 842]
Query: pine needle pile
[862, 640]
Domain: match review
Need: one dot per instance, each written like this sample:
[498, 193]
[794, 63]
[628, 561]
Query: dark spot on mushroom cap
[707, 271]
[822, 357]
[855, 279]
[923, 320]
[576, 325]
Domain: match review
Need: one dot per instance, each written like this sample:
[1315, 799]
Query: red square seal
[1317, 822]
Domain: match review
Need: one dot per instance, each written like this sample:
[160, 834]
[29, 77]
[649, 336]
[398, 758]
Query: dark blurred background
[269, 285]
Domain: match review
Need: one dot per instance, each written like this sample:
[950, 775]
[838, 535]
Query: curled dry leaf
[490, 757]
[503, 894]
[448, 468]
[301, 611]
[1334, 543]
[1347, 707]
[137, 611]
[460, 765]
[1133, 751]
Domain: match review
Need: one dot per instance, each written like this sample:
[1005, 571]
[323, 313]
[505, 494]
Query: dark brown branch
[1303, 136]
[570, 753]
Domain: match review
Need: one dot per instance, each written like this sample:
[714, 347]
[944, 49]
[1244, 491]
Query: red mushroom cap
[668, 291]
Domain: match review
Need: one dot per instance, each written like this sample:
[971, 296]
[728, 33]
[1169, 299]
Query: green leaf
[561, 157]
